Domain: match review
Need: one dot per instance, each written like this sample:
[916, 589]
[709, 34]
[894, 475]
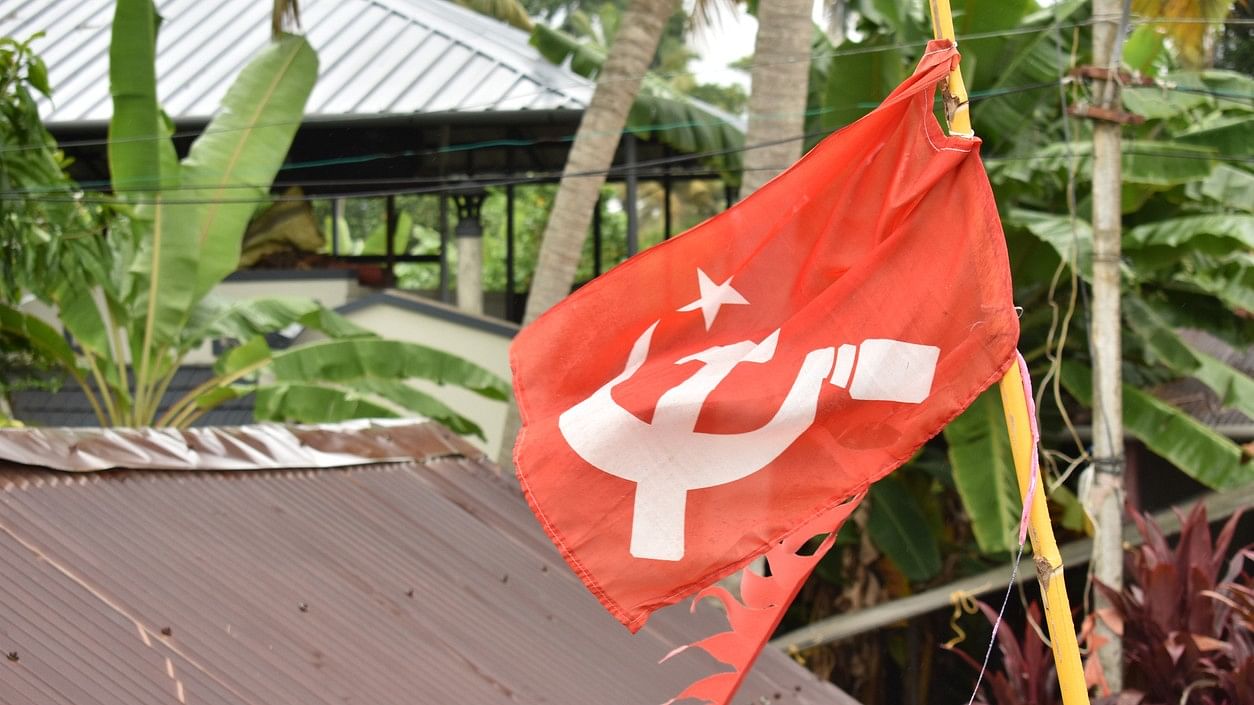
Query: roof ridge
[234, 448]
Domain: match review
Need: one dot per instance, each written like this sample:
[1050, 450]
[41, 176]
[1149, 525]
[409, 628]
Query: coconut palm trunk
[590, 156]
[777, 101]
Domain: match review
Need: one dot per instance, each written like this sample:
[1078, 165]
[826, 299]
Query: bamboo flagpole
[1049, 567]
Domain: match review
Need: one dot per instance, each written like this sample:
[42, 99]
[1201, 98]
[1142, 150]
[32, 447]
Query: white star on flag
[713, 297]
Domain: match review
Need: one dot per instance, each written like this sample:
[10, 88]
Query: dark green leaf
[343, 361]
[245, 143]
[311, 403]
[979, 450]
[1175, 232]
[899, 529]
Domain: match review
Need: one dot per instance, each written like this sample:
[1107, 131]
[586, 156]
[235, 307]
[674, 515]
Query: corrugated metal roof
[409, 582]
[376, 57]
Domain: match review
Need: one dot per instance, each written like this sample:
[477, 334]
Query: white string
[1014, 572]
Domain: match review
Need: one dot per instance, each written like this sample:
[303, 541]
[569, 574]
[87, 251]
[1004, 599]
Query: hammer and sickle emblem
[667, 458]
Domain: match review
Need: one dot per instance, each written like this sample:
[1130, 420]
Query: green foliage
[662, 109]
[1187, 240]
[898, 527]
[1188, 232]
[136, 160]
[47, 229]
[983, 472]
[344, 378]
[1170, 433]
[45, 225]
[142, 301]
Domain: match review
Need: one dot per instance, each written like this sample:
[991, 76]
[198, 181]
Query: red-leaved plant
[1186, 616]
[1026, 676]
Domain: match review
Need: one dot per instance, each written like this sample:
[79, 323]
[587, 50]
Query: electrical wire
[106, 186]
[414, 186]
[833, 53]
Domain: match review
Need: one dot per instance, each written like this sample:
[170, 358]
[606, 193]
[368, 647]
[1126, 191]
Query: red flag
[729, 390]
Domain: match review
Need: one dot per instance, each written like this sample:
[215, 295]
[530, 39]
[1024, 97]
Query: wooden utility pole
[1104, 501]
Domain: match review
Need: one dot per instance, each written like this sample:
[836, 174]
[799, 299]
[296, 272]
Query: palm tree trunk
[590, 156]
[593, 152]
[777, 101]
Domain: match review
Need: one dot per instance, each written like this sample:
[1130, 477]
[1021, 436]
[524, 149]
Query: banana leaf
[988, 55]
[1177, 232]
[1188, 307]
[351, 377]
[1068, 238]
[1235, 389]
[855, 83]
[1230, 187]
[1156, 104]
[1027, 59]
[311, 403]
[215, 318]
[1191, 446]
[899, 529]
[135, 161]
[1232, 135]
[359, 360]
[1231, 282]
[244, 144]
[1146, 162]
[983, 469]
[321, 403]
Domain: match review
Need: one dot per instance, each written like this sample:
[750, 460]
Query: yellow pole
[1044, 547]
[943, 28]
[1018, 424]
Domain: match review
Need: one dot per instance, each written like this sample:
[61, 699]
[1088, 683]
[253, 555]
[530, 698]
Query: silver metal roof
[376, 57]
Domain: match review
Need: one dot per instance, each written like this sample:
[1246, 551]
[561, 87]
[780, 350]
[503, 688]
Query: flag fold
[730, 391]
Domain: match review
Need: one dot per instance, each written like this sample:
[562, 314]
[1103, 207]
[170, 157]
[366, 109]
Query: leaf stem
[182, 410]
[105, 392]
[91, 397]
[162, 386]
[119, 362]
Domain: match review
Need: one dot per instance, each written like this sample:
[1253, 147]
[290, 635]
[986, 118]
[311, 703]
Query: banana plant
[136, 311]
[1189, 228]
[1188, 235]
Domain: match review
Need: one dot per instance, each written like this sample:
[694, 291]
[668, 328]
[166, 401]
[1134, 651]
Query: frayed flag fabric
[734, 391]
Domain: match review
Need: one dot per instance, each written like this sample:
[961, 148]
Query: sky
[730, 38]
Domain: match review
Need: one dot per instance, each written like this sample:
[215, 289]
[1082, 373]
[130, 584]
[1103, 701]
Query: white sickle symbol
[667, 458]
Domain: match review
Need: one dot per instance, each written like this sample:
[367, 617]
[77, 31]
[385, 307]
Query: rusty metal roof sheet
[256, 447]
[419, 581]
[375, 57]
